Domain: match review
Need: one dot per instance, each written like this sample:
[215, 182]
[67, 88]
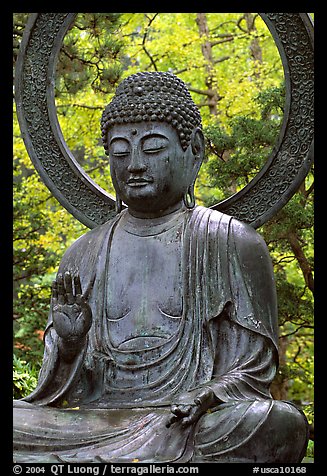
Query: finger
[171, 420]
[181, 410]
[192, 417]
[202, 397]
[80, 300]
[186, 410]
[61, 289]
[68, 287]
[54, 291]
[187, 421]
[77, 285]
[177, 410]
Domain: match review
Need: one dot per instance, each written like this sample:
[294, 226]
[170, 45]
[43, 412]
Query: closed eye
[153, 150]
[119, 147]
[120, 153]
[154, 143]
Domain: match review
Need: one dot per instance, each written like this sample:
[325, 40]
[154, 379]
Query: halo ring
[281, 176]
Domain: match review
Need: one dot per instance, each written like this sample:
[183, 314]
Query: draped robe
[226, 340]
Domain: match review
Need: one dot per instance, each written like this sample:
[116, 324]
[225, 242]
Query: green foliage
[42, 231]
[237, 151]
[310, 449]
[24, 378]
[91, 55]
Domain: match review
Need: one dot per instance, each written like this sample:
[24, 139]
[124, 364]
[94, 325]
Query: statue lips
[139, 181]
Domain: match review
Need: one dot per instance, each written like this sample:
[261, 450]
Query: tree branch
[306, 269]
[220, 60]
[85, 106]
[219, 42]
[204, 92]
[310, 190]
[144, 40]
[303, 326]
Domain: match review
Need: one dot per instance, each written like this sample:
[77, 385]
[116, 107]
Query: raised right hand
[72, 316]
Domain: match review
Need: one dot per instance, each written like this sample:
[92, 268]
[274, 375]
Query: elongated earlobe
[197, 145]
[189, 197]
[118, 204]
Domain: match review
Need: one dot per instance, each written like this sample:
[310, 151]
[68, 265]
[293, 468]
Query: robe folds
[112, 405]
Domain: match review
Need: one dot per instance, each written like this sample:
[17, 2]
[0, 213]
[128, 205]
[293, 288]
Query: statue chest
[144, 288]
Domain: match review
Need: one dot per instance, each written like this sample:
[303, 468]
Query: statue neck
[157, 214]
[151, 226]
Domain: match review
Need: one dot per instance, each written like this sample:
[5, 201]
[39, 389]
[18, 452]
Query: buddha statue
[162, 338]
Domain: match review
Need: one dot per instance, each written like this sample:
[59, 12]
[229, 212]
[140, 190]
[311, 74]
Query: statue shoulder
[253, 274]
[249, 243]
[241, 237]
[248, 253]
[217, 222]
[212, 221]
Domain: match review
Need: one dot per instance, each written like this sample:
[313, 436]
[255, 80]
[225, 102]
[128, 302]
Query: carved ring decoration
[282, 174]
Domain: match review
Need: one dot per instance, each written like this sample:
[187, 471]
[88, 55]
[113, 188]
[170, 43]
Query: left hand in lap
[189, 406]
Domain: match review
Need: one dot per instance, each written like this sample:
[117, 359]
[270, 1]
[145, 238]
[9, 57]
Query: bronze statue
[161, 343]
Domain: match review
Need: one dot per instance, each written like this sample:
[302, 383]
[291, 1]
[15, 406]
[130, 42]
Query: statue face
[149, 169]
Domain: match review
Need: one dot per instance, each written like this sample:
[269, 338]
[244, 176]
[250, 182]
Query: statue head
[152, 132]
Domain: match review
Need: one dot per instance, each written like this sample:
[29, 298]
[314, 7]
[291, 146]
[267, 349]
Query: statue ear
[197, 143]
[194, 161]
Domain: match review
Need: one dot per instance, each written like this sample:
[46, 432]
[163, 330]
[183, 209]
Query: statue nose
[137, 163]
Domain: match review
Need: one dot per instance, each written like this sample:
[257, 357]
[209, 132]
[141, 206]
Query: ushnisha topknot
[152, 96]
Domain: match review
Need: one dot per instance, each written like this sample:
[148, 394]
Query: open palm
[72, 316]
